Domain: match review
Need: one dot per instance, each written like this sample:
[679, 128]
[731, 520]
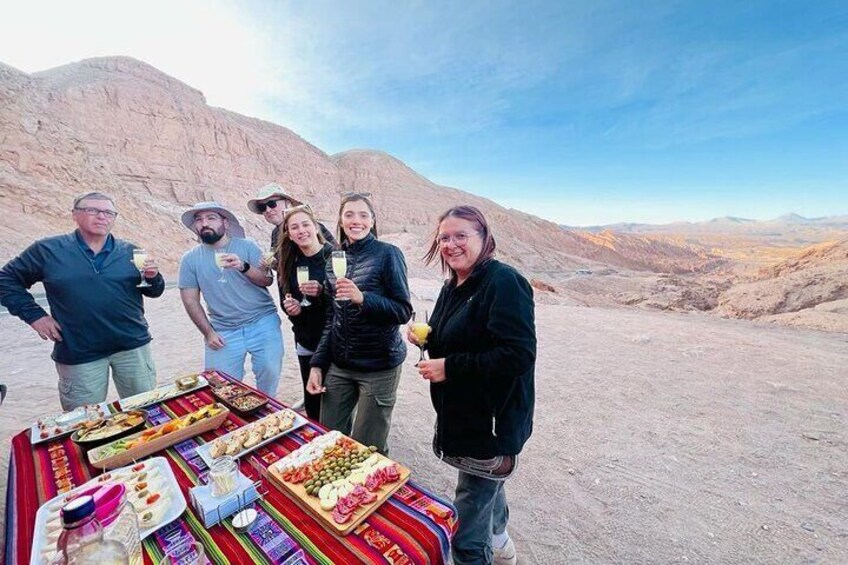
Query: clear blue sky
[582, 112]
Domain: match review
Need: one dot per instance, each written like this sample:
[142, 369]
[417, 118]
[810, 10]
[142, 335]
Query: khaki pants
[360, 404]
[133, 372]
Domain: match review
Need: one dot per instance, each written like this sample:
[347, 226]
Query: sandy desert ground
[660, 438]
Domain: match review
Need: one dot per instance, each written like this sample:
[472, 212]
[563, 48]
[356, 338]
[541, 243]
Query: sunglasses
[360, 194]
[262, 206]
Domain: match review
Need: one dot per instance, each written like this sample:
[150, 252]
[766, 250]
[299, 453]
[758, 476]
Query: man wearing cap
[272, 202]
[242, 318]
[96, 320]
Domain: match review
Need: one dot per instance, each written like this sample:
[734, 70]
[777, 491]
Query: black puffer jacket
[365, 337]
[484, 329]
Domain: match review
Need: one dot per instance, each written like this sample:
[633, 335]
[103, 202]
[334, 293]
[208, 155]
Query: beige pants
[133, 372]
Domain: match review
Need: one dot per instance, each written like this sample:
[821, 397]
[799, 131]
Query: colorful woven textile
[414, 526]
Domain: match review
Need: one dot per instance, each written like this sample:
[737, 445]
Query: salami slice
[339, 517]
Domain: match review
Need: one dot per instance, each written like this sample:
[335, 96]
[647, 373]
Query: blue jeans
[263, 340]
[482, 511]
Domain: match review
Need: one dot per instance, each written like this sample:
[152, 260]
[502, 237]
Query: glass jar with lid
[119, 520]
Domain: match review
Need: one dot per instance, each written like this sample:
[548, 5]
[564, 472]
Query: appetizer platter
[152, 490]
[252, 436]
[106, 429]
[60, 425]
[337, 479]
[240, 399]
[142, 444]
[180, 386]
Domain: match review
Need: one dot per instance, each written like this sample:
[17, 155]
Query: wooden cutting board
[312, 504]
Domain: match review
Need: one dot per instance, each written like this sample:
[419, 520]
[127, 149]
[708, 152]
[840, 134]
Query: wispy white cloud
[211, 46]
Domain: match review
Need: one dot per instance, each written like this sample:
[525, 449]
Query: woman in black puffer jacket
[361, 351]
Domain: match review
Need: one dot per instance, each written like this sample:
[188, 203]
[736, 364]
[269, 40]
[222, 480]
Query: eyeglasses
[111, 214]
[361, 194]
[459, 239]
[262, 206]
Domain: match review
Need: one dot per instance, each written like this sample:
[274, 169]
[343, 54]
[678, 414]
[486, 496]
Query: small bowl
[244, 519]
[187, 382]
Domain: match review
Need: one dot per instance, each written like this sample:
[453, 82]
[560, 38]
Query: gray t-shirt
[237, 302]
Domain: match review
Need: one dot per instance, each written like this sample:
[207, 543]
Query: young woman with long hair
[301, 247]
[358, 363]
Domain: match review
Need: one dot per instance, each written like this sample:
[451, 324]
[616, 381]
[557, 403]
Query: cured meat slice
[340, 518]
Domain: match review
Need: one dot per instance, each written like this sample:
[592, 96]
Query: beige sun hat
[268, 192]
[235, 229]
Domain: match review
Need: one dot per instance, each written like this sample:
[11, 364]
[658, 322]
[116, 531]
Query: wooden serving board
[158, 444]
[312, 504]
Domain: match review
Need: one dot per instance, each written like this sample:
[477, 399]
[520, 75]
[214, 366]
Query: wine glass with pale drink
[219, 262]
[421, 330]
[268, 257]
[139, 260]
[340, 266]
[302, 277]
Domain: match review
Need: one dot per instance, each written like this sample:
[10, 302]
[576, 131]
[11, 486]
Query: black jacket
[308, 326]
[101, 310]
[485, 331]
[365, 337]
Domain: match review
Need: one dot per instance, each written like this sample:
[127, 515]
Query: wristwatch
[246, 267]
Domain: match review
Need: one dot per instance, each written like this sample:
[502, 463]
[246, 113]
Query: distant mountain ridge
[838, 222]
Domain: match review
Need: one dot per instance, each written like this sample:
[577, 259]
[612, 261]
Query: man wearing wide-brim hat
[241, 316]
[272, 201]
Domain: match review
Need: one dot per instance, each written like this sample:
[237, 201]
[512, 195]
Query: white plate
[35, 431]
[158, 394]
[204, 450]
[170, 492]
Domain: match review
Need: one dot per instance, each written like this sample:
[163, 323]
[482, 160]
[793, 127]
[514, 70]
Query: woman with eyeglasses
[481, 370]
[302, 252]
[357, 365]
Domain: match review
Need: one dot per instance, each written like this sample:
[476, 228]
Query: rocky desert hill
[121, 126]
[810, 289]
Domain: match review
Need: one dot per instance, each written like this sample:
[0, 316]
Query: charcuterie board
[338, 480]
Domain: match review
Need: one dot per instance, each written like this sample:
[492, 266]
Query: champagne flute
[139, 259]
[340, 266]
[268, 256]
[421, 330]
[219, 262]
[302, 277]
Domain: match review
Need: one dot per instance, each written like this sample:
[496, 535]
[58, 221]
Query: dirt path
[660, 438]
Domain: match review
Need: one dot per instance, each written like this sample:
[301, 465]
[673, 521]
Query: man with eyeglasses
[272, 202]
[96, 318]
